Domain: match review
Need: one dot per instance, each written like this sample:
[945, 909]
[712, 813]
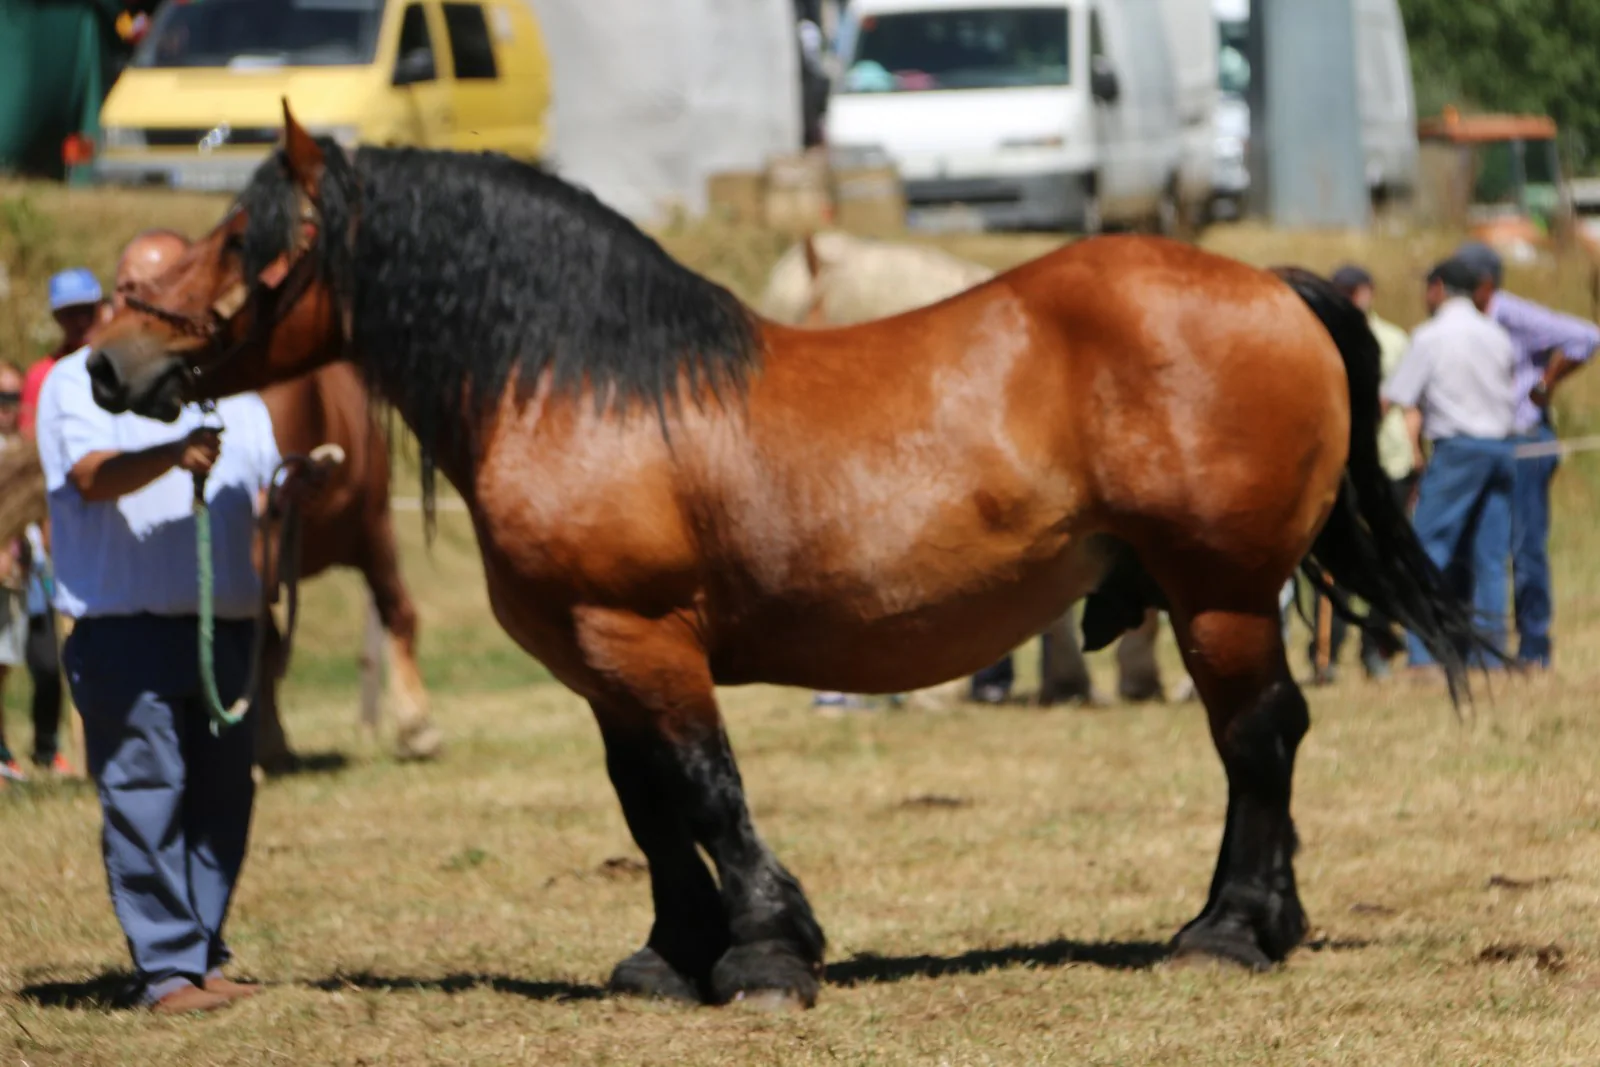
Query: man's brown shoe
[225, 987]
[189, 1000]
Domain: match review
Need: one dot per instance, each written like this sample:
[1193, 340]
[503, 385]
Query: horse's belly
[934, 633]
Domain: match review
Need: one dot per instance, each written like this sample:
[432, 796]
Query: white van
[1192, 34]
[1383, 87]
[1014, 114]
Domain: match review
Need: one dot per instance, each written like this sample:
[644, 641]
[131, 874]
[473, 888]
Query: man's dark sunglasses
[10, 398]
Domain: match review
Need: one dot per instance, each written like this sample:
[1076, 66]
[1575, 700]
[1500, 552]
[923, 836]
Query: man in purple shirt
[1536, 332]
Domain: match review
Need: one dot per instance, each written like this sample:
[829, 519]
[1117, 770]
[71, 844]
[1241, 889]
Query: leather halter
[269, 298]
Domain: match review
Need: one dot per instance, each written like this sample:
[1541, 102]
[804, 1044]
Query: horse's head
[250, 303]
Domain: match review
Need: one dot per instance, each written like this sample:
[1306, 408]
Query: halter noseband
[284, 280]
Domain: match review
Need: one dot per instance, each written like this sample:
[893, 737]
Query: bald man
[143, 260]
[176, 798]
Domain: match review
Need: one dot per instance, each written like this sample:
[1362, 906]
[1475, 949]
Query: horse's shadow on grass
[118, 989]
[310, 763]
[1108, 955]
[461, 983]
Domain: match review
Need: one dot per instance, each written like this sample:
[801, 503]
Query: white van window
[985, 48]
[470, 49]
[296, 33]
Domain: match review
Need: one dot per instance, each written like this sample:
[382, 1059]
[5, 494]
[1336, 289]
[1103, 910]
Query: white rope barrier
[1558, 448]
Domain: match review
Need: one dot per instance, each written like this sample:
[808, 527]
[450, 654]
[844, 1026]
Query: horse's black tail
[1368, 547]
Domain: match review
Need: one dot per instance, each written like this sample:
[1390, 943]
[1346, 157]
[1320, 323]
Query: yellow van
[200, 104]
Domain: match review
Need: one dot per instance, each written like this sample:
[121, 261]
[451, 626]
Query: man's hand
[198, 452]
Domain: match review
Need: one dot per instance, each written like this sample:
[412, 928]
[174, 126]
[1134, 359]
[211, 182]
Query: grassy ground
[997, 884]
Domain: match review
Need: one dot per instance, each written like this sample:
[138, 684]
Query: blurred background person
[1538, 336]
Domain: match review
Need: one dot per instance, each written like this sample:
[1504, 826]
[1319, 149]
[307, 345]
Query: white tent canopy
[652, 96]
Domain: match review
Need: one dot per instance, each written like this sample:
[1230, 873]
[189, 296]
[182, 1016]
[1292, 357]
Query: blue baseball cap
[74, 288]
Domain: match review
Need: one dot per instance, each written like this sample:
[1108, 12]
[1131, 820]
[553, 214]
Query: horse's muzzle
[105, 384]
[158, 396]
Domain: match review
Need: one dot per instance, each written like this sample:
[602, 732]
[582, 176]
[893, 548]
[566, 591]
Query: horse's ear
[302, 154]
[813, 264]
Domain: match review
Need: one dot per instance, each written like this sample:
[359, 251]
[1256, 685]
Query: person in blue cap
[75, 303]
[1537, 333]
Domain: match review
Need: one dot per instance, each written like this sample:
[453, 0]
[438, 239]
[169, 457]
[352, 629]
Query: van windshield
[984, 48]
[267, 33]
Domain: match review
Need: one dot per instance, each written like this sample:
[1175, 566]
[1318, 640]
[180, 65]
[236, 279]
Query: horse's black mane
[466, 270]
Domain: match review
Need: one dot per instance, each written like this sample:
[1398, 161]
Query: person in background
[75, 301]
[1395, 451]
[13, 575]
[1456, 387]
[176, 798]
[1536, 334]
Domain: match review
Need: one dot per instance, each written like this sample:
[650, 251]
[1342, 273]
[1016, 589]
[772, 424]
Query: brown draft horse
[670, 493]
[347, 524]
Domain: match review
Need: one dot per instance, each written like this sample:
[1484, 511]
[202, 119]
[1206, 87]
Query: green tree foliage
[1539, 56]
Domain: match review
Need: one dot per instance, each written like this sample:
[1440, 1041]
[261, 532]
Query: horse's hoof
[1232, 938]
[765, 974]
[647, 974]
[1192, 949]
[421, 744]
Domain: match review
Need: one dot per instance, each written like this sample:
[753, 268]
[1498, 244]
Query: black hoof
[767, 973]
[1228, 934]
[1209, 943]
[646, 974]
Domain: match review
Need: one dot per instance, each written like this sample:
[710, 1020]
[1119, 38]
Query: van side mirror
[415, 66]
[1103, 84]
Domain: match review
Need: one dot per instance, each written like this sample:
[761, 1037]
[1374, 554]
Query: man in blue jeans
[1457, 389]
[175, 797]
[1536, 332]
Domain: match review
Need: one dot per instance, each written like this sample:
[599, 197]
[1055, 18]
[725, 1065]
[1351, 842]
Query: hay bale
[869, 200]
[738, 197]
[797, 193]
[22, 496]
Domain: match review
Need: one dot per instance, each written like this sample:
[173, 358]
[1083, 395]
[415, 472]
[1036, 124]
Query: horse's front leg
[751, 932]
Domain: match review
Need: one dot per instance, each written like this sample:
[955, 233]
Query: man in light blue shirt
[1456, 388]
[176, 799]
[1536, 332]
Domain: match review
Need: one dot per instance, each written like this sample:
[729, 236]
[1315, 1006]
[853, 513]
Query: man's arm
[1414, 432]
[108, 475]
[1569, 340]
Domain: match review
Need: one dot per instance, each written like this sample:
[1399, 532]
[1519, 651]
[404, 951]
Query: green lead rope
[222, 716]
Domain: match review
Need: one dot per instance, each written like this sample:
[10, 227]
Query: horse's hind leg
[1258, 716]
[674, 772]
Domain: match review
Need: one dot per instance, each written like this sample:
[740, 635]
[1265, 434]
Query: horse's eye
[233, 244]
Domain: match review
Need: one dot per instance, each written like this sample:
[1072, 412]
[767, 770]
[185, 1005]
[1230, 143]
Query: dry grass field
[997, 884]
